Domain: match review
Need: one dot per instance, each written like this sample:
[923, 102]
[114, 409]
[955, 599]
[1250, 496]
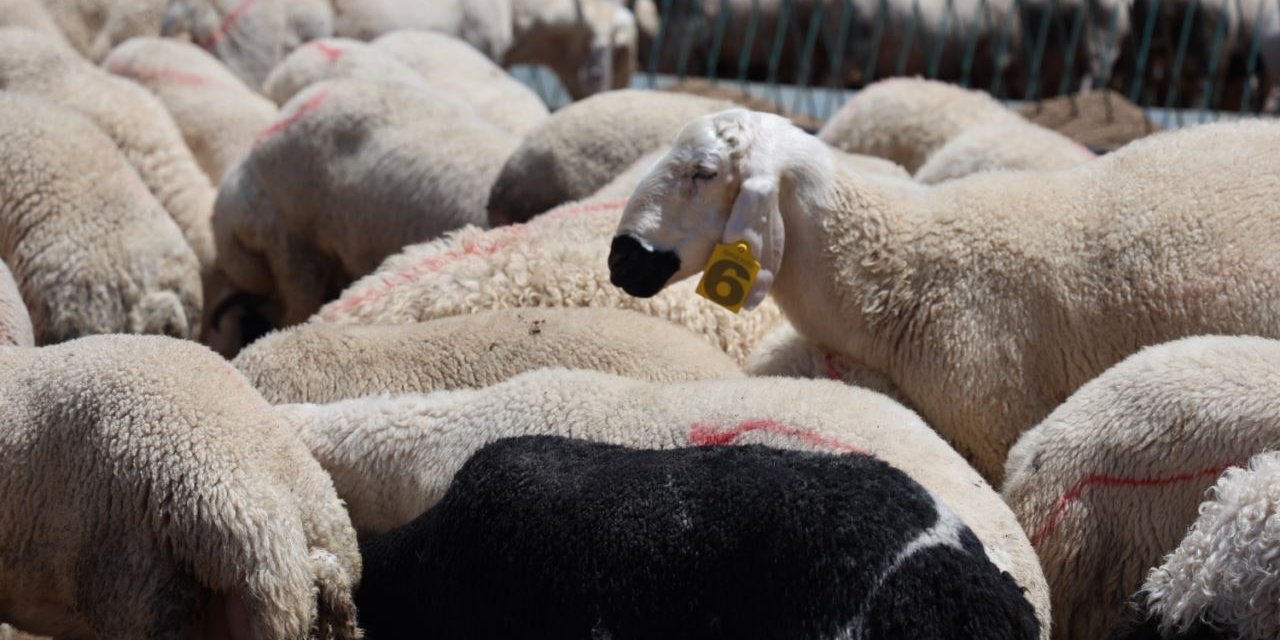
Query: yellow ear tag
[728, 276]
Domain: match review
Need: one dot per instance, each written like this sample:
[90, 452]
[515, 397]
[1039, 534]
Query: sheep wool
[316, 362]
[1073, 270]
[458, 68]
[1224, 573]
[332, 58]
[669, 544]
[392, 457]
[94, 27]
[351, 172]
[905, 120]
[218, 116]
[583, 146]
[1109, 482]
[147, 491]
[15, 322]
[1012, 146]
[135, 120]
[784, 352]
[555, 260]
[29, 14]
[91, 249]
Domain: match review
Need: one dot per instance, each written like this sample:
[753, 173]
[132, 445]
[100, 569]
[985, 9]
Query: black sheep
[549, 537]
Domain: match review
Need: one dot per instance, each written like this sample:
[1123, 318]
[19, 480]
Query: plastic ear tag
[728, 276]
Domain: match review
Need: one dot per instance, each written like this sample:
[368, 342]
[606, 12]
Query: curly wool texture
[179, 501]
[134, 119]
[905, 120]
[91, 249]
[458, 68]
[331, 59]
[556, 260]
[1225, 572]
[351, 173]
[15, 321]
[583, 146]
[94, 27]
[393, 457]
[328, 362]
[1109, 482]
[784, 352]
[1073, 269]
[219, 116]
[29, 14]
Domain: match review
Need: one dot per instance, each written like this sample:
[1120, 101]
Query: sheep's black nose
[639, 271]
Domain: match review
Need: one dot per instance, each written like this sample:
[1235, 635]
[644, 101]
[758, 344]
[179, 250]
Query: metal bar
[655, 53]
[775, 56]
[1179, 58]
[1069, 63]
[940, 41]
[1140, 64]
[838, 59]
[901, 67]
[744, 58]
[806, 58]
[713, 56]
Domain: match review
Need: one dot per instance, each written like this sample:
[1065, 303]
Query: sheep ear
[757, 220]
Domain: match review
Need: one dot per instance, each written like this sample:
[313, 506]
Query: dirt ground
[1101, 120]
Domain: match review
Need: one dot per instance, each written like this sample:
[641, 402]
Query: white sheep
[590, 44]
[350, 173]
[219, 117]
[94, 27]
[583, 146]
[250, 36]
[334, 58]
[784, 352]
[905, 120]
[1109, 482]
[29, 14]
[457, 67]
[392, 457]
[15, 321]
[986, 300]
[147, 490]
[91, 249]
[135, 120]
[1224, 573]
[555, 260]
[328, 362]
[1017, 145]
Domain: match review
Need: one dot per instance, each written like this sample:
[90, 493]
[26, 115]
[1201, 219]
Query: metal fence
[1182, 60]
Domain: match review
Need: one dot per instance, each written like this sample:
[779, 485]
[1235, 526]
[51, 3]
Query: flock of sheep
[421, 359]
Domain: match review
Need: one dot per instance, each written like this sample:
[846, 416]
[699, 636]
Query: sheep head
[720, 183]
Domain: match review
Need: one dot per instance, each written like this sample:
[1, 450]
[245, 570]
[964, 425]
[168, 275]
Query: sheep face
[718, 183]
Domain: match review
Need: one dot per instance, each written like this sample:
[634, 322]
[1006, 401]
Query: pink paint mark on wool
[311, 104]
[489, 243]
[831, 369]
[1069, 498]
[331, 52]
[703, 434]
[228, 22]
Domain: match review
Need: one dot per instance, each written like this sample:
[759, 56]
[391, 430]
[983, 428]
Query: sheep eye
[704, 174]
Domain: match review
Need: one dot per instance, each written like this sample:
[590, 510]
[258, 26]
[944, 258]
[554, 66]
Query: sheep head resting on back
[727, 179]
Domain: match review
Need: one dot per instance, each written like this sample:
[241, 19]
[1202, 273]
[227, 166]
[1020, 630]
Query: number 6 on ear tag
[728, 276]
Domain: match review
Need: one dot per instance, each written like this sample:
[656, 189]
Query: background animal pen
[1184, 61]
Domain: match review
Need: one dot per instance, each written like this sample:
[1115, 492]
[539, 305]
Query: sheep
[583, 146]
[1223, 574]
[350, 173]
[455, 66]
[147, 490]
[330, 58]
[1110, 481]
[1017, 145]
[91, 249]
[784, 352]
[219, 117]
[590, 44]
[904, 120]
[250, 36]
[15, 321]
[134, 119]
[669, 544]
[94, 27]
[1073, 269]
[313, 362]
[392, 457]
[556, 260]
[29, 14]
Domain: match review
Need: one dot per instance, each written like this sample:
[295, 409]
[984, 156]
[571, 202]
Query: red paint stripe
[311, 104]
[166, 74]
[228, 22]
[489, 243]
[1070, 497]
[829, 362]
[329, 51]
[702, 434]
